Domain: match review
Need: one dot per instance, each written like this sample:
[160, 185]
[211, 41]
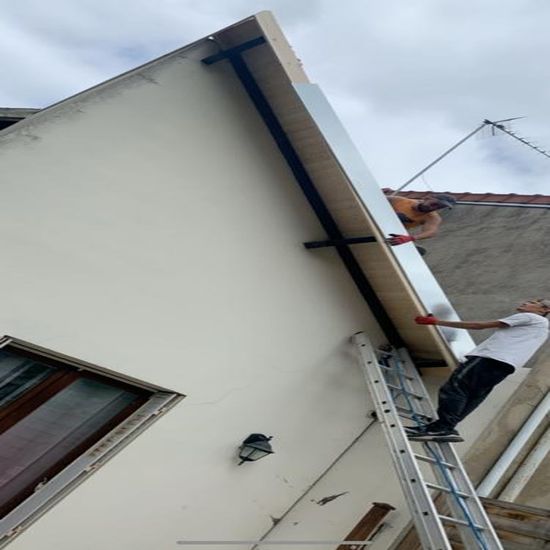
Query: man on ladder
[514, 342]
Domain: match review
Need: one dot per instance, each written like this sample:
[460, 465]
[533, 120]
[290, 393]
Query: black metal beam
[313, 196]
[237, 50]
[340, 242]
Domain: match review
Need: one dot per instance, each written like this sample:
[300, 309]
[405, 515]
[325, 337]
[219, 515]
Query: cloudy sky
[408, 77]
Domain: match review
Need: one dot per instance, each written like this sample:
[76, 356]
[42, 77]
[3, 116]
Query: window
[56, 420]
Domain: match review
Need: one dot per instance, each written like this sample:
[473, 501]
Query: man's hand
[426, 320]
[395, 240]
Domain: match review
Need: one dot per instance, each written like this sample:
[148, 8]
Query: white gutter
[501, 466]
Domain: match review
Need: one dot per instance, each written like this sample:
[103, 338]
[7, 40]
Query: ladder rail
[429, 525]
[397, 390]
[445, 453]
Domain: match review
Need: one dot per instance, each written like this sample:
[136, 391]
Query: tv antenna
[495, 125]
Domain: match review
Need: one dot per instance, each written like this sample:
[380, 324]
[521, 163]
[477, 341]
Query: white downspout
[525, 472]
[491, 480]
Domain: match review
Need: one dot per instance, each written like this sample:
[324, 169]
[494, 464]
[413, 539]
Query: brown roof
[482, 197]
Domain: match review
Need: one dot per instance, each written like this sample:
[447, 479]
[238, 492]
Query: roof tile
[482, 197]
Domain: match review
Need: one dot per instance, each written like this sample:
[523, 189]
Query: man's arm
[469, 325]
[430, 227]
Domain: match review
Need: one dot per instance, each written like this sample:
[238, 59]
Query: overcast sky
[407, 77]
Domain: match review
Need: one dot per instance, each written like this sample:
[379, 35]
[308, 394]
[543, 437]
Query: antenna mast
[497, 124]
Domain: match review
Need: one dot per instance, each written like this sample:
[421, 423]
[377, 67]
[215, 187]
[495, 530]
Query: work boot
[430, 433]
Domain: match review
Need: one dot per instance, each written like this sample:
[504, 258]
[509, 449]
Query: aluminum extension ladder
[398, 392]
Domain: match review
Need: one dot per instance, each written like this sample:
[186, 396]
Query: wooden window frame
[51, 484]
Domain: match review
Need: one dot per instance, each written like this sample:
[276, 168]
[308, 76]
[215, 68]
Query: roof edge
[496, 198]
[45, 111]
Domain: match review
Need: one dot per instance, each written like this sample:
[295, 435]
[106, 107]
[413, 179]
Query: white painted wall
[151, 227]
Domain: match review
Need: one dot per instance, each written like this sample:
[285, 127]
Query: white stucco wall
[151, 227]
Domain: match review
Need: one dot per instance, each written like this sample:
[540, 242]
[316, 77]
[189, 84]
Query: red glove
[394, 239]
[426, 320]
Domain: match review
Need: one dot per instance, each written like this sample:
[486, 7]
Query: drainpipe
[525, 472]
[501, 466]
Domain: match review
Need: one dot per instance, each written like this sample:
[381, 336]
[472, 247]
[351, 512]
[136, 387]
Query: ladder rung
[461, 522]
[403, 390]
[407, 413]
[406, 376]
[434, 461]
[447, 490]
[411, 411]
[395, 384]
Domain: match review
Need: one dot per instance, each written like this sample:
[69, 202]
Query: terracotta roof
[481, 197]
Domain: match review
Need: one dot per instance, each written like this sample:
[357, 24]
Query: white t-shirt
[517, 343]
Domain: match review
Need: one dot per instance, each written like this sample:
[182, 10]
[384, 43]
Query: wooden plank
[281, 47]
[502, 507]
[530, 529]
[369, 524]
[518, 527]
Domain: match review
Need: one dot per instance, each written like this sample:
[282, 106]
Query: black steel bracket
[340, 242]
[232, 52]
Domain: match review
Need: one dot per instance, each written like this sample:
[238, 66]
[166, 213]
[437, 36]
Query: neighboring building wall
[487, 259]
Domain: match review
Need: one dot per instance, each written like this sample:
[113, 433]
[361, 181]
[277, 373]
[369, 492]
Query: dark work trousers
[467, 387]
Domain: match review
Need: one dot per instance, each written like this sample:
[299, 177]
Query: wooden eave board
[269, 64]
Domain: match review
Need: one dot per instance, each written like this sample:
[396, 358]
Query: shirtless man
[419, 213]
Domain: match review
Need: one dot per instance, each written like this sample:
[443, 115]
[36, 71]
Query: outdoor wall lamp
[254, 447]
